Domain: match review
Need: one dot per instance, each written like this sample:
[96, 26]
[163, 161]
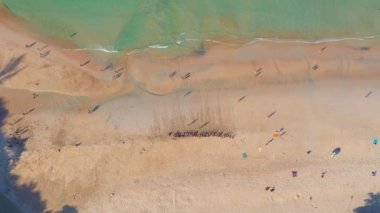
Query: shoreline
[150, 71]
[242, 43]
[230, 40]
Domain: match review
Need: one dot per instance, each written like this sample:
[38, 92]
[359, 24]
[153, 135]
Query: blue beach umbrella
[336, 151]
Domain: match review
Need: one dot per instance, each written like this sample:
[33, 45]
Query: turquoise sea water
[184, 24]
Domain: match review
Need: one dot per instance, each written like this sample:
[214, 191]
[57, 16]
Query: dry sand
[120, 158]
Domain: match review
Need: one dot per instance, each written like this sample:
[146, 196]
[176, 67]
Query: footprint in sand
[297, 197]
[277, 199]
[183, 197]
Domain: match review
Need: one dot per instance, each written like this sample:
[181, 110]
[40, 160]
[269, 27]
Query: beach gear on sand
[245, 155]
[278, 133]
[375, 141]
[323, 174]
[335, 152]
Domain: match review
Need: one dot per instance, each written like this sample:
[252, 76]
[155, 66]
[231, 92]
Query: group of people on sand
[42, 55]
[46, 53]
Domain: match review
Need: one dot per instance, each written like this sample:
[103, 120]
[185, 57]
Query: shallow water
[182, 25]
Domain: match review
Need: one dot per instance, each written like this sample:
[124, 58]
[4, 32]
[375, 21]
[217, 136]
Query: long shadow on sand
[11, 148]
[372, 204]
[11, 68]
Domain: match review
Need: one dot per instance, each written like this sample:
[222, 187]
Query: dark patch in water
[74, 34]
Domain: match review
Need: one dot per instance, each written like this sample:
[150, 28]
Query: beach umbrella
[375, 141]
[335, 152]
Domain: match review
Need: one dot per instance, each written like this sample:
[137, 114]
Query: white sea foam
[97, 48]
[277, 40]
[212, 41]
[134, 51]
[111, 49]
[158, 46]
[325, 40]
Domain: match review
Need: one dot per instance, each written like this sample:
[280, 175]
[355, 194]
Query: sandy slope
[59, 72]
[119, 158]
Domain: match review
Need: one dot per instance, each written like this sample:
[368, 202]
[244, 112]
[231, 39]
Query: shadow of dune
[11, 68]
[26, 196]
[372, 204]
[68, 209]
